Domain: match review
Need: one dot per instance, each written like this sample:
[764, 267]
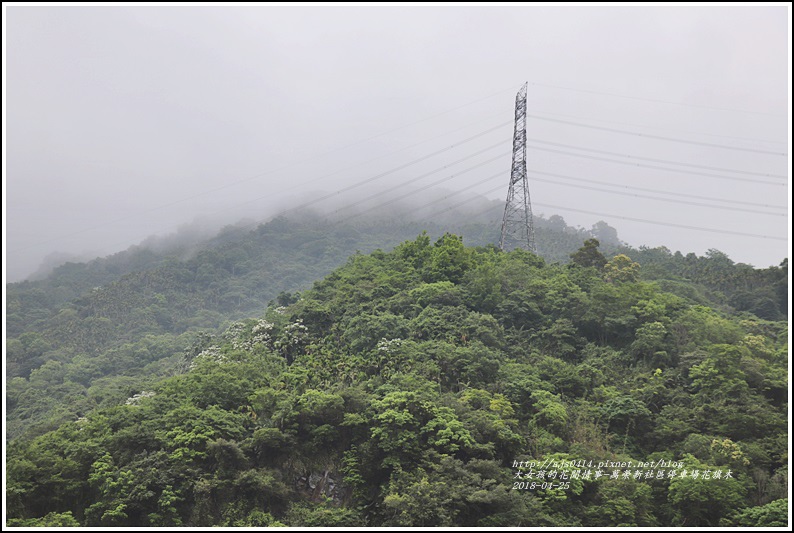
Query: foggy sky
[123, 122]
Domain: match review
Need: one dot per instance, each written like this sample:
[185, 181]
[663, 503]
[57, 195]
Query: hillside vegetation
[91, 334]
[402, 389]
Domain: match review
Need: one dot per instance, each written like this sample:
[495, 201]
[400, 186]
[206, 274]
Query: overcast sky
[122, 122]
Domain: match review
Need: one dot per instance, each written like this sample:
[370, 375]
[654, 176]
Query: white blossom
[388, 345]
[133, 400]
[213, 353]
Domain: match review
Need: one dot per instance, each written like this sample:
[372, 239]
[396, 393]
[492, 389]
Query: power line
[660, 137]
[657, 191]
[322, 177]
[697, 228]
[368, 180]
[562, 208]
[411, 193]
[671, 200]
[666, 161]
[690, 132]
[459, 191]
[499, 188]
[646, 221]
[395, 151]
[652, 99]
[413, 180]
[677, 170]
[489, 191]
[413, 162]
[670, 224]
[464, 202]
[273, 171]
[489, 208]
[381, 175]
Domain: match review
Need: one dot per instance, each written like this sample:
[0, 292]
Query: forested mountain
[92, 333]
[159, 388]
[763, 292]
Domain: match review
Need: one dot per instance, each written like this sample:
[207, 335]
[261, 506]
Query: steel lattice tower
[517, 228]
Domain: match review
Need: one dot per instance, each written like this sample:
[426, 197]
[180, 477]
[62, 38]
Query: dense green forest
[401, 387]
[90, 334]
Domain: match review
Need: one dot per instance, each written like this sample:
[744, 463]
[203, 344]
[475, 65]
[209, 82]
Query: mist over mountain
[177, 285]
[360, 319]
[253, 272]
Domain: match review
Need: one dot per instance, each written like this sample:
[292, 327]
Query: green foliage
[319, 515]
[550, 411]
[50, 520]
[702, 502]
[774, 514]
[626, 503]
[112, 485]
[397, 391]
[589, 256]
[621, 269]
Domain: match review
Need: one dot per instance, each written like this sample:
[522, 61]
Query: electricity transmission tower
[517, 228]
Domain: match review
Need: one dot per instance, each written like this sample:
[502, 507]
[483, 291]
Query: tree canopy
[401, 390]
